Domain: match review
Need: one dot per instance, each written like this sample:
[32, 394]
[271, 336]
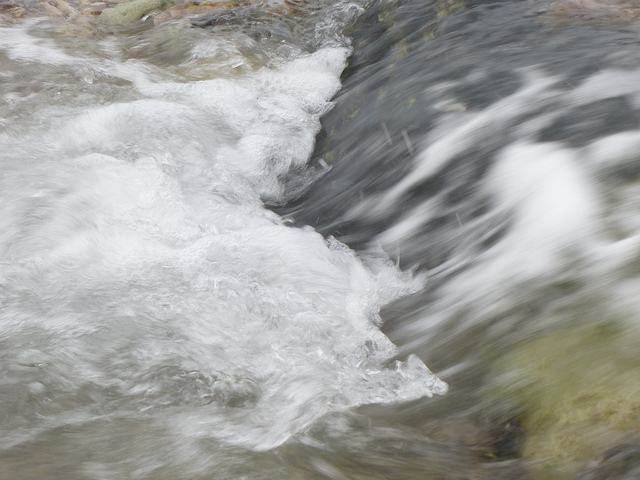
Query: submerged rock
[69, 18]
[12, 9]
[488, 440]
[619, 463]
[596, 13]
[451, 448]
[579, 393]
[92, 8]
[17, 9]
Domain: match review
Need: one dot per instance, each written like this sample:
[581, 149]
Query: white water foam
[142, 277]
[565, 218]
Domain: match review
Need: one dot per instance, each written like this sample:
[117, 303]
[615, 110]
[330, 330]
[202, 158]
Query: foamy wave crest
[142, 276]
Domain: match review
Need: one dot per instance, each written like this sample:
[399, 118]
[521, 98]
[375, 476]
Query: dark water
[192, 290]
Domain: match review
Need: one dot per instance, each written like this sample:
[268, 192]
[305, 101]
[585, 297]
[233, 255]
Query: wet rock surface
[130, 13]
[191, 9]
[577, 392]
[487, 440]
[595, 13]
[90, 17]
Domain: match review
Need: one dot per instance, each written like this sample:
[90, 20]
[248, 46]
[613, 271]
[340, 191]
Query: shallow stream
[237, 238]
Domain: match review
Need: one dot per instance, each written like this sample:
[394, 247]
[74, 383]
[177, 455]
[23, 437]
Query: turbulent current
[231, 233]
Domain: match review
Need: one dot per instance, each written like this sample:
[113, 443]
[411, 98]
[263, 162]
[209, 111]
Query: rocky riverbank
[89, 17]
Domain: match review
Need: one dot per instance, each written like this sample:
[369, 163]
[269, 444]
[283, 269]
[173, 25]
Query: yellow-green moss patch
[579, 389]
[130, 13]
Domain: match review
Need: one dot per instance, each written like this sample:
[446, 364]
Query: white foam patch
[608, 84]
[453, 139]
[548, 211]
[142, 273]
[554, 211]
[614, 151]
[19, 45]
[553, 202]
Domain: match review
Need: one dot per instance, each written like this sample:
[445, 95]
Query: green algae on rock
[579, 393]
[127, 14]
[192, 9]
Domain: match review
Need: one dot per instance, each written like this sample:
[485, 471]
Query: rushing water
[191, 287]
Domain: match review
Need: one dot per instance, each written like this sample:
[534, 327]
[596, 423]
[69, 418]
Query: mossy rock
[130, 13]
[445, 8]
[579, 390]
[190, 10]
